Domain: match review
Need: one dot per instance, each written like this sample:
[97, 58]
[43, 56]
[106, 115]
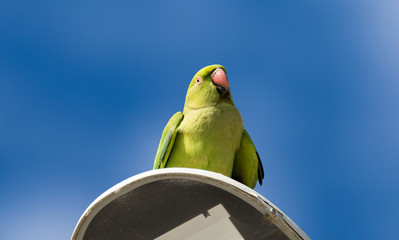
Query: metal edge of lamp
[282, 221]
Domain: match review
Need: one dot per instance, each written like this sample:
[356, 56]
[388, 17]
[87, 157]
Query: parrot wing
[248, 167]
[167, 140]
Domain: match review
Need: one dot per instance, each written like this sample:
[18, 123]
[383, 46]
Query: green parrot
[209, 134]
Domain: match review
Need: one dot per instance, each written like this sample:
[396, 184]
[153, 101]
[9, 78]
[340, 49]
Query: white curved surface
[283, 222]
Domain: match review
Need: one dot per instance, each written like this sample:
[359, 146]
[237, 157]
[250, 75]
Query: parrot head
[208, 87]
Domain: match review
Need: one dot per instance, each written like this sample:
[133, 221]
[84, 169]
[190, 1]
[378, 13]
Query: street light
[183, 203]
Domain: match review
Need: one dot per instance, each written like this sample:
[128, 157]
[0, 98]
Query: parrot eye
[198, 81]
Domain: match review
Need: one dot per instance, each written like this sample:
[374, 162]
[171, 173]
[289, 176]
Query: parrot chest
[208, 139]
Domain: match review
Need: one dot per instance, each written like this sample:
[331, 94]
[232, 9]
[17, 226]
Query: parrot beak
[219, 79]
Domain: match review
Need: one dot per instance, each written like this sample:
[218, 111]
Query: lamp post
[182, 203]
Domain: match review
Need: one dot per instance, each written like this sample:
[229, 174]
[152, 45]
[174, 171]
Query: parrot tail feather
[261, 173]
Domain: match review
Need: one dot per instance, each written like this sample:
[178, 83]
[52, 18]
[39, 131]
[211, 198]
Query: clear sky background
[86, 88]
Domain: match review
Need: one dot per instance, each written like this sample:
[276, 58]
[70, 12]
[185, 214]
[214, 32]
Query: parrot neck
[222, 101]
[187, 109]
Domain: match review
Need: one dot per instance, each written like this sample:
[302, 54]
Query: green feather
[248, 167]
[167, 140]
[209, 134]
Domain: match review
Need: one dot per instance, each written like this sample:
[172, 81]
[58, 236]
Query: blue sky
[86, 89]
